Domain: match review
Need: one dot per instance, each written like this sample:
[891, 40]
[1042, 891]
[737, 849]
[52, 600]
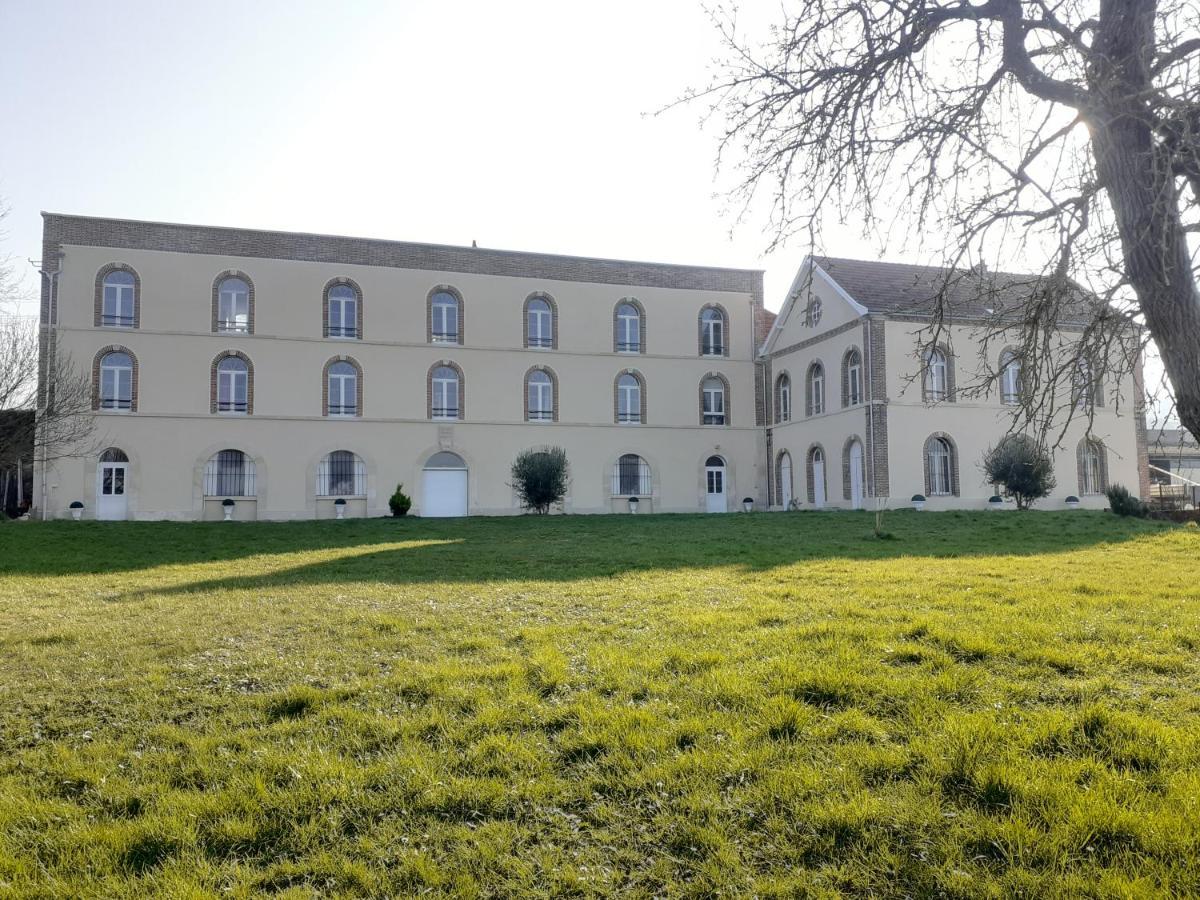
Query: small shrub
[1023, 466]
[1123, 503]
[400, 502]
[540, 478]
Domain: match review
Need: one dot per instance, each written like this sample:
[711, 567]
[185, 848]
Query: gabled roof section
[807, 272]
[901, 289]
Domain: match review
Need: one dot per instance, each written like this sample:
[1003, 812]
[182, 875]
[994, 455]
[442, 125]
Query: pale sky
[525, 125]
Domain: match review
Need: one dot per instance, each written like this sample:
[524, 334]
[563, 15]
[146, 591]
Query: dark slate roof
[901, 289]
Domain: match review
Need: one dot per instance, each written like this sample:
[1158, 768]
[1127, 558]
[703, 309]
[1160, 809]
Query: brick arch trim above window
[725, 396]
[717, 307]
[783, 378]
[462, 312]
[955, 487]
[810, 472]
[641, 311]
[847, 487]
[358, 383]
[462, 388]
[104, 272]
[814, 368]
[212, 382]
[550, 301]
[216, 299]
[1081, 453]
[926, 377]
[98, 360]
[553, 391]
[358, 305]
[852, 357]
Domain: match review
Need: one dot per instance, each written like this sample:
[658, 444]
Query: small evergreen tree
[1124, 503]
[1023, 467]
[400, 502]
[540, 478]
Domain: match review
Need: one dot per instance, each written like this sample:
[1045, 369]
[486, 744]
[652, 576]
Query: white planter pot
[76, 514]
[918, 505]
[228, 513]
[339, 512]
[748, 507]
[633, 504]
[1072, 504]
[992, 505]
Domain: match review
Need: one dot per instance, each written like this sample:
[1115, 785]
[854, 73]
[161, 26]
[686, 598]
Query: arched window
[815, 399]
[117, 300]
[783, 398]
[541, 326]
[937, 378]
[783, 480]
[630, 399]
[812, 313]
[1092, 460]
[941, 467]
[816, 476]
[628, 327]
[445, 392]
[116, 380]
[1010, 378]
[343, 309]
[233, 385]
[852, 378]
[714, 341]
[854, 481]
[229, 473]
[343, 388]
[1087, 387]
[341, 474]
[541, 404]
[233, 304]
[631, 477]
[114, 455]
[713, 397]
[445, 316]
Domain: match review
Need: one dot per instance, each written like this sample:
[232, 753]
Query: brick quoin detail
[728, 400]
[216, 299]
[540, 295]
[137, 293]
[617, 395]
[133, 386]
[212, 380]
[954, 485]
[358, 305]
[358, 384]
[553, 391]
[462, 390]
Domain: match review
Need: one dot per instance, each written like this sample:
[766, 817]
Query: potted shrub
[339, 508]
[399, 503]
[918, 501]
[1072, 502]
[227, 505]
[748, 504]
[633, 504]
[995, 502]
[76, 510]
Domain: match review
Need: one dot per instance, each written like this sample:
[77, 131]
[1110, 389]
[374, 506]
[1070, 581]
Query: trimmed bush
[540, 478]
[1123, 503]
[400, 503]
[1024, 468]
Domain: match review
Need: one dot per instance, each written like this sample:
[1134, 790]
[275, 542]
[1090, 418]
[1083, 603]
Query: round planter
[633, 504]
[76, 514]
[748, 504]
[339, 509]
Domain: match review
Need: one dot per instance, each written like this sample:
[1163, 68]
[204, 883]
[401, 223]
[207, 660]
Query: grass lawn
[990, 704]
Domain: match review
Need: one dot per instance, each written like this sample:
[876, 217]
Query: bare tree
[1061, 133]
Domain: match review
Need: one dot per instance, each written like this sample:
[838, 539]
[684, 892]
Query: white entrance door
[444, 486]
[785, 480]
[111, 480]
[714, 485]
[818, 468]
[856, 475]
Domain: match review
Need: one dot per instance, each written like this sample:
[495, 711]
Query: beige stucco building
[286, 372]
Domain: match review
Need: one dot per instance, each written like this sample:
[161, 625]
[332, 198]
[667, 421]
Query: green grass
[990, 704]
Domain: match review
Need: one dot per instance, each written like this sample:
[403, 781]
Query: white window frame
[324, 486]
[539, 397]
[713, 408]
[785, 398]
[629, 329]
[116, 377]
[1010, 380]
[116, 296]
[629, 400]
[344, 381]
[645, 479]
[936, 372]
[444, 306]
[1093, 472]
[233, 306]
[854, 392]
[540, 317]
[443, 387]
[818, 390]
[938, 463]
[227, 387]
[213, 475]
[712, 325]
[342, 303]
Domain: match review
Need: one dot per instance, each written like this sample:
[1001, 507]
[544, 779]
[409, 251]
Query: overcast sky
[524, 125]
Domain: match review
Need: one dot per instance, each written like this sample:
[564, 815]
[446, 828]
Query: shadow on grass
[547, 548]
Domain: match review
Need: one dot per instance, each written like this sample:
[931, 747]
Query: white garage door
[444, 486]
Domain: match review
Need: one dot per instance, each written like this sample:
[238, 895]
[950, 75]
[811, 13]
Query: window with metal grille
[116, 381]
[938, 463]
[343, 311]
[631, 476]
[341, 474]
[118, 300]
[229, 473]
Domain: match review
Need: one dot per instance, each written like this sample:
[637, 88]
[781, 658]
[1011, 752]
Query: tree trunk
[1137, 176]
